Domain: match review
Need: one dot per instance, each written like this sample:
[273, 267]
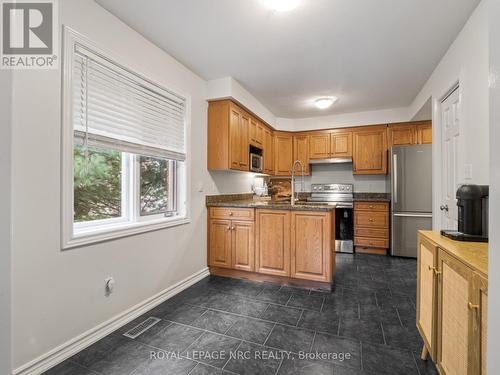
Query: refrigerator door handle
[395, 172]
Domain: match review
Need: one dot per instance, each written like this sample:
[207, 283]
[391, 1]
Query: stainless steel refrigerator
[411, 196]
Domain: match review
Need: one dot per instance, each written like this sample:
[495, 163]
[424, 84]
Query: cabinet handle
[228, 228]
[435, 270]
[230, 214]
[371, 207]
[370, 220]
[473, 307]
[232, 228]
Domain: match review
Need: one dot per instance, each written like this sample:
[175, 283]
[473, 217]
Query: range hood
[331, 161]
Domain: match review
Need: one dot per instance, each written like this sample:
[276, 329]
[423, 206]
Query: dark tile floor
[225, 326]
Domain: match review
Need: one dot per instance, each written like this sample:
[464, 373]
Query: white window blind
[118, 109]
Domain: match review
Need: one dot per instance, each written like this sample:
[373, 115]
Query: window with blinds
[115, 108]
[124, 148]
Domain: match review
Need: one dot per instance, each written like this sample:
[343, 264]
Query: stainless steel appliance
[255, 163]
[472, 202]
[411, 196]
[341, 196]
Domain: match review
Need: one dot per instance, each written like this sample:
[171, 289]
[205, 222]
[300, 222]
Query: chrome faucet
[293, 199]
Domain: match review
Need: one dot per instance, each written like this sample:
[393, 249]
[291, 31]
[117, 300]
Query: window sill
[91, 236]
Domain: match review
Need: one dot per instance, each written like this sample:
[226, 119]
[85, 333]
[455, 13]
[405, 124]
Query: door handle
[395, 177]
[444, 207]
[473, 307]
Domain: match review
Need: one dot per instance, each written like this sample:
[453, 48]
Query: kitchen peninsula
[271, 241]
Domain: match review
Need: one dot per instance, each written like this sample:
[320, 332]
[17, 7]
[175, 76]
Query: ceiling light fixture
[282, 5]
[324, 103]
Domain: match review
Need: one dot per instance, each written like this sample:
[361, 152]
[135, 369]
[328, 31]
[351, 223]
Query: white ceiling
[372, 54]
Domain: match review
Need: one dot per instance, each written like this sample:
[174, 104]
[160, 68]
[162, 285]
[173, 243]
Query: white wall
[5, 220]
[342, 173]
[59, 295]
[466, 61]
[494, 245]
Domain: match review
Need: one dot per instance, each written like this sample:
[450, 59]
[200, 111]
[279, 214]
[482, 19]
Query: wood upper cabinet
[402, 134]
[409, 133]
[319, 145]
[340, 144]
[219, 254]
[273, 242]
[370, 150]
[427, 293]
[242, 246]
[311, 245]
[268, 151]
[228, 140]
[283, 154]
[256, 133]
[301, 151]
[424, 133]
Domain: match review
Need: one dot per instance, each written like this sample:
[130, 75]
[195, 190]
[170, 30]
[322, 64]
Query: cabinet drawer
[371, 219]
[232, 213]
[371, 206]
[371, 242]
[371, 232]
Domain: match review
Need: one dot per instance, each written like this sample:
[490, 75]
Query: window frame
[131, 222]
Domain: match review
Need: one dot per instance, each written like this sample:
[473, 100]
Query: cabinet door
[301, 151]
[243, 249]
[454, 355]
[341, 144]
[479, 309]
[402, 134]
[268, 151]
[234, 138]
[273, 242]
[283, 154]
[311, 252]
[426, 293]
[252, 132]
[220, 243]
[259, 135]
[319, 146]
[424, 133]
[370, 151]
[244, 142]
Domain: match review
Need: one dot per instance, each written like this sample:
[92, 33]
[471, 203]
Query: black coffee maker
[472, 202]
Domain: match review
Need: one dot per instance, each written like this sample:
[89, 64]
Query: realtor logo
[29, 39]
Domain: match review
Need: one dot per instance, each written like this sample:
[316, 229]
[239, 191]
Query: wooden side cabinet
[273, 242]
[409, 133]
[424, 133]
[370, 150]
[219, 249]
[283, 154]
[311, 241]
[268, 151]
[427, 293]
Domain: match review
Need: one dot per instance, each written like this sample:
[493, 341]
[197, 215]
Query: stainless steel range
[341, 196]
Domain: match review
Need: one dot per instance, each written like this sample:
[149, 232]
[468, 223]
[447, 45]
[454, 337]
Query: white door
[450, 121]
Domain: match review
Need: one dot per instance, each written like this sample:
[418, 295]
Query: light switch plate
[468, 171]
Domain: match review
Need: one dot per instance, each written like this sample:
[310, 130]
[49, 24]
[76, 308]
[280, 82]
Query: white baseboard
[73, 346]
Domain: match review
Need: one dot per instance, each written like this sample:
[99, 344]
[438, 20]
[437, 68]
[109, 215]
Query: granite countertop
[221, 201]
[371, 197]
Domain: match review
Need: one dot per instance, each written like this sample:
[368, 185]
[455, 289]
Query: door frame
[437, 162]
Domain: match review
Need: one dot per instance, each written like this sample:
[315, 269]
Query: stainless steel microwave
[256, 163]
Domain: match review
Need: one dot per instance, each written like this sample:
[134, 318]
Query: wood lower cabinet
[371, 227]
[219, 254]
[452, 303]
[231, 242]
[301, 152]
[311, 255]
[370, 150]
[242, 246]
[273, 242]
[283, 154]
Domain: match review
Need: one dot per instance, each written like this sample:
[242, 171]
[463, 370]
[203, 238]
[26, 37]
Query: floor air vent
[141, 328]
